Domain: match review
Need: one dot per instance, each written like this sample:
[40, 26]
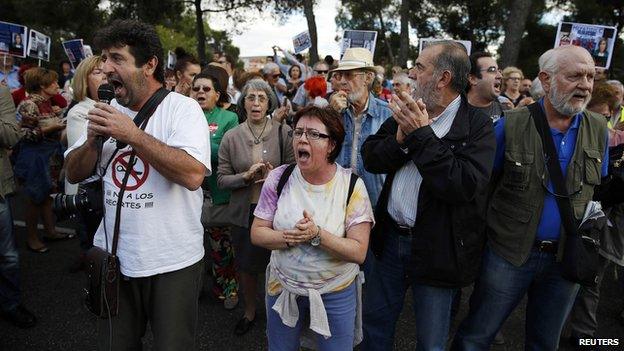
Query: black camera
[88, 199]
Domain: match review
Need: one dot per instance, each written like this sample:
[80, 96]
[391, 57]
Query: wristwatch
[316, 240]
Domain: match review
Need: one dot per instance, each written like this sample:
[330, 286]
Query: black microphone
[106, 93]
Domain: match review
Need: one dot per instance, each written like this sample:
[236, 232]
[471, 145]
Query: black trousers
[168, 301]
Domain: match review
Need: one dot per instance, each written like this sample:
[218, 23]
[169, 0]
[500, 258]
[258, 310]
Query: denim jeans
[9, 260]
[340, 307]
[384, 293]
[499, 289]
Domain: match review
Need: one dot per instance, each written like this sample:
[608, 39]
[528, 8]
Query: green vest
[515, 208]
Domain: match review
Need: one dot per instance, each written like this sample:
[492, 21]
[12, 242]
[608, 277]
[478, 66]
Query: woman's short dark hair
[332, 121]
[223, 96]
[142, 40]
[293, 67]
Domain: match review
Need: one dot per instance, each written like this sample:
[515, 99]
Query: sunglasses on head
[275, 75]
[206, 89]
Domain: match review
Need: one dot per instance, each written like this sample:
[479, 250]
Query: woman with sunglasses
[318, 229]
[206, 89]
[246, 154]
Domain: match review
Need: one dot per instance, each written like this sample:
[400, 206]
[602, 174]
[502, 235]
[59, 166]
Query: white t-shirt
[160, 228]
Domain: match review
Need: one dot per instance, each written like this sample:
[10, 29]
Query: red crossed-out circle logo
[138, 173]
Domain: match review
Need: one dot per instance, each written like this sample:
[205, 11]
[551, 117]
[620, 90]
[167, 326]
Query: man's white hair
[402, 78]
[550, 60]
[269, 67]
[615, 83]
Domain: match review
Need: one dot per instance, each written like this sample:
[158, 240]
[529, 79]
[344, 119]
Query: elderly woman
[38, 159]
[246, 154]
[318, 225]
[209, 92]
[512, 76]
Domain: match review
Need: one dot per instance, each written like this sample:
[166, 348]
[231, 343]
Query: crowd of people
[340, 187]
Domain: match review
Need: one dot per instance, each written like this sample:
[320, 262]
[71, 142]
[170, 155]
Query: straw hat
[356, 58]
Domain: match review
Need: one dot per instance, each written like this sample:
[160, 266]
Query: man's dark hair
[475, 70]
[230, 60]
[299, 57]
[142, 40]
[453, 58]
[329, 60]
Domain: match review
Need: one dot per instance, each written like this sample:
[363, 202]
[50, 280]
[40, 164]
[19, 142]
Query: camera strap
[141, 120]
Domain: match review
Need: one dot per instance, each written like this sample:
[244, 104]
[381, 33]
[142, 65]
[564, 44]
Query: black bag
[580, 261]
[103, 270]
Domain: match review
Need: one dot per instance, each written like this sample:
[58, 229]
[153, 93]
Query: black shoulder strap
[281, 141]
[352, 181]
[554, 169]
[284, 178]
[140, 120]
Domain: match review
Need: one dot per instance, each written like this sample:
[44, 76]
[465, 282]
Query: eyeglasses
[348, 75]
[321, 72]
[513, 78]
[491, 69]
[275, 75]
[205, 88]
[311, 134]
[253, 98]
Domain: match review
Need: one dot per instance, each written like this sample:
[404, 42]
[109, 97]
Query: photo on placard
[598, 40]
[13, 39]
[39, 45]
[359, 39]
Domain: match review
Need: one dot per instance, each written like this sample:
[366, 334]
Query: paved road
[55, 295]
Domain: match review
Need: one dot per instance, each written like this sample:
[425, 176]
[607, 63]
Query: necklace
[257, 139]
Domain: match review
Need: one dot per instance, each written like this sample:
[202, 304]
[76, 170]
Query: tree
[404, 48]
[229, 8]
[514, 29]
[371, 15]
[163, 12]
[285, 8]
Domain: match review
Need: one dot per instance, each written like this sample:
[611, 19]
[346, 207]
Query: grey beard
[561, 102]
[427, 93]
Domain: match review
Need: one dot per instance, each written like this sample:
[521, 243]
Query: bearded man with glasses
[362, 113]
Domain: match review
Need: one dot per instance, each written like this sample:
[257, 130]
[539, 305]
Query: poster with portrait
[39, 45]
[597, 39]
[302, 41]
[13, 39]
[87, 50]
[424, 42]
[358, 39]
[74, 49]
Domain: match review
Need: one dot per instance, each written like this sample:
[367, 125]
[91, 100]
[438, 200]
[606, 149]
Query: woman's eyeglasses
[311, 134]
[252, 98]
[206, 89]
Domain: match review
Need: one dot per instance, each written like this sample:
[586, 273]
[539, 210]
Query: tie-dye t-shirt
[327, 205]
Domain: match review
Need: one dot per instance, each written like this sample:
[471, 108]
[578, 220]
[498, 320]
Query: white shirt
[160, 228]
[403, 202]
[76, 127]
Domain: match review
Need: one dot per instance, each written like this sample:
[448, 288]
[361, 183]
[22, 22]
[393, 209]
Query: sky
[261, 32]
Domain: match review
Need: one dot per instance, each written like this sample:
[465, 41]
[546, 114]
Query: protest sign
[424, 42]
[74, 49]
[39, 45]
[87, 50]
[171, 60]
[597, 39]
[358, 39]
[302, 41]
[13, 39]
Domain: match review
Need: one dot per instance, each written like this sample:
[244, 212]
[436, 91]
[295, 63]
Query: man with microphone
[164, 161]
